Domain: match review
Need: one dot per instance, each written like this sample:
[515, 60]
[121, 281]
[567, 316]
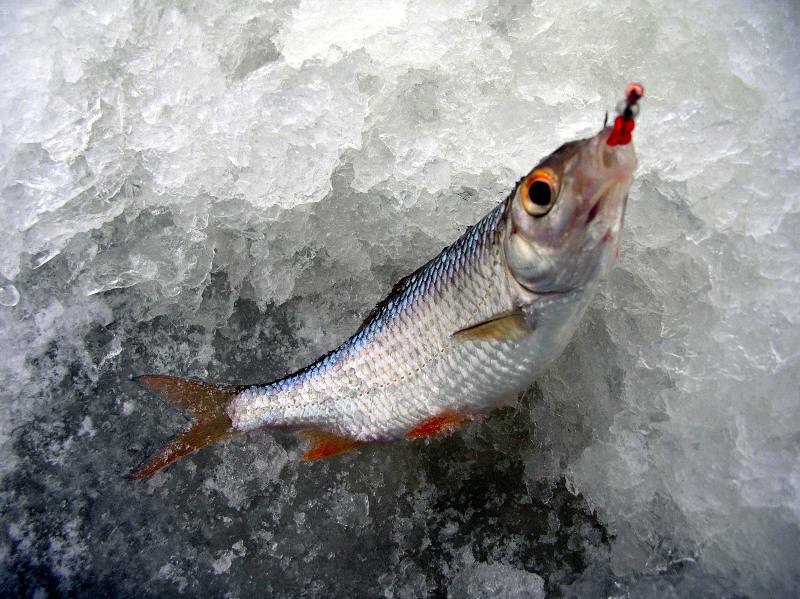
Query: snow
[223, 190]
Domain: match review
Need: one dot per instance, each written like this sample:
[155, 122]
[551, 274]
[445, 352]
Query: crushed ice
[223, 190]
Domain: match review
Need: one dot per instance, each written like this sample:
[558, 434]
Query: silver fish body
[458, 337]
[406, 364]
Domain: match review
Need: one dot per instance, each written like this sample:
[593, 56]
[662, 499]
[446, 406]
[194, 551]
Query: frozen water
[484, 581]
[223, 189]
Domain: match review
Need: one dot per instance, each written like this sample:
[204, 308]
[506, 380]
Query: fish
[465, 333]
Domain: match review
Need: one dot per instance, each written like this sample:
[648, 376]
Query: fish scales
[403, 365]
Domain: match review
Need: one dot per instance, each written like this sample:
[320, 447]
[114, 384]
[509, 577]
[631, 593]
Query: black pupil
[539, 192]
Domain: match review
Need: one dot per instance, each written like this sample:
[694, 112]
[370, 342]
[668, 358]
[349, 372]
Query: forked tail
[206, 405]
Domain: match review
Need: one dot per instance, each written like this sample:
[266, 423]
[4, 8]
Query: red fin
[324, 444]
[439, 425]
[204, 402]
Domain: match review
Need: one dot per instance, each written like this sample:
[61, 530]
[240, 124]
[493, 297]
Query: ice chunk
[9, 296]
[486, 581]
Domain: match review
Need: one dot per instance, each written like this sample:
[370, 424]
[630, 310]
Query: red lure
[624, 123]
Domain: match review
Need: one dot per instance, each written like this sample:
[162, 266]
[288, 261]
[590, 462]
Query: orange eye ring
[539, 191]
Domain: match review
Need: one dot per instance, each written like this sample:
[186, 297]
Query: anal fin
[324, 444]
[506, 326]
[439, 425]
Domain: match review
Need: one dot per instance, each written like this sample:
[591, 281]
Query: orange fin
[507, 326]
[204, 402]
[439, 425]
[324, 444]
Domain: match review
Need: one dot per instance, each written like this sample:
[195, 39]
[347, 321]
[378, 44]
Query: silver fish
[460, 336]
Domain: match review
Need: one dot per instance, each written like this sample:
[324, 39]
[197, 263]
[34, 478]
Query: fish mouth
[616, 162]
[607, 170]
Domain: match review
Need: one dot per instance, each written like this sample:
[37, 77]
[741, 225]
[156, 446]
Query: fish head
[564, 219]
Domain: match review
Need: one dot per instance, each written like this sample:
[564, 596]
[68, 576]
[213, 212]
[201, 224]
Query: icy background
[223, 190]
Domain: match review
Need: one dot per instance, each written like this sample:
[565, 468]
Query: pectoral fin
[506, 326]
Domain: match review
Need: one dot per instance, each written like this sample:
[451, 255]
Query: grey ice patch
[495, 581]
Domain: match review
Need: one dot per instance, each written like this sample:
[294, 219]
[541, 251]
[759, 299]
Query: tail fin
[206, 405]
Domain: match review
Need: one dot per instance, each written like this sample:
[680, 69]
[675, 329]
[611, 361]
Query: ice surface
[224, 189]
[484, 581]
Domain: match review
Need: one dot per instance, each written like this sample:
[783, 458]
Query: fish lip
[625, 155]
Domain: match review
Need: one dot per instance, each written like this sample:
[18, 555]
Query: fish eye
[538, 193]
